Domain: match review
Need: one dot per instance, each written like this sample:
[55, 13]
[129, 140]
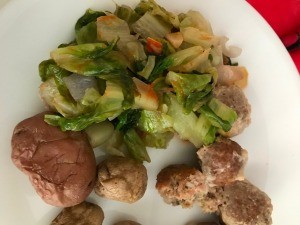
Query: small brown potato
[234, 97]
[245, 204]
[121, 179]
[180, 185]
[202, 223]
[127, 222]
[207, 223]
[222, 162]
[85, 213]
[61, 165]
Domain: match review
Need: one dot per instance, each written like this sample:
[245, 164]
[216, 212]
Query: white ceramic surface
[29, 29]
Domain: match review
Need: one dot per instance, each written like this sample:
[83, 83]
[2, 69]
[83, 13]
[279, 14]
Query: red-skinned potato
[61, 165]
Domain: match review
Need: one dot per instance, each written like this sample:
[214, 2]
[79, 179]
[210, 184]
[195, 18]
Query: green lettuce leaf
[152, 7]
[222, 110]
[97, 60]
[96, 108]
[49, 69]
[184, 124]
[175, 60]
[195, 100]
[136, 146]
[151, 26]
[184, 84]
[155, 122]
[87, 34]
[89, 16]
[126, 13]
[157, 140]
[215, 119]
[128, 119]
[191, 89]
[50, 94]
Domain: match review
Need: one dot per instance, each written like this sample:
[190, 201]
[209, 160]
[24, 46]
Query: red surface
[284, 18]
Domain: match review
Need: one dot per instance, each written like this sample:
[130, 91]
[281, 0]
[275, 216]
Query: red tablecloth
[284, 18]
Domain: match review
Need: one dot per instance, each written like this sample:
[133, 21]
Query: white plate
[31, 28]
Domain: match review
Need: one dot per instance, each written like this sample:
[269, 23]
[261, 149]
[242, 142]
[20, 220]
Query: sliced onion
[77, 84]
[230, 51]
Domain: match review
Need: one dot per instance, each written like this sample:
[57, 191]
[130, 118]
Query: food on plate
[232, 75]
[121, 179]
[132, 79]
[210, 202]
[234, 97]
[149, 72]
[181, 185]
[202, 223]
[85, 213]
[243, 203]
[127, 222]
[61, 165]
[238, 202]
[222, 162]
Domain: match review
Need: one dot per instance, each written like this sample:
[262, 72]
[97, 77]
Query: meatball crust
[245, 204]
[85, 213]
[210, 202]
[222, 162]
[121, 179]
[180, 185]
[234, 97]
[61, 165]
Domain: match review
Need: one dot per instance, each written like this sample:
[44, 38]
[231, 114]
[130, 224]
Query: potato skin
[121, 179]
[61, 165]
[85, 213]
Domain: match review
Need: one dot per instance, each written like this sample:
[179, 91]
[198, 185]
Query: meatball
[61, 165]
[234, 97]
[127, 222]
[222, 162]
[245, 204]
[180, 185]
[122, 179]
[85, 213]
[210, 202]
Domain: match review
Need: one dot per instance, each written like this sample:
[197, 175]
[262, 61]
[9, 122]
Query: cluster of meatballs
[62, 168]
[219, 186]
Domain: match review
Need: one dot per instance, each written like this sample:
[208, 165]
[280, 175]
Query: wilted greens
[145, 71]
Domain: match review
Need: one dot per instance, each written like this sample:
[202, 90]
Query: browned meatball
[85, 213]
[122, 179]
[61, 165]
[127, 222]
[210, 202]
[245, 204]
[234, 97]
[180, 185]
[222, 162]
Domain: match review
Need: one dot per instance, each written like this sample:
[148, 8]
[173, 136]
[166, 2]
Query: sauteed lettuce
[148, 72]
